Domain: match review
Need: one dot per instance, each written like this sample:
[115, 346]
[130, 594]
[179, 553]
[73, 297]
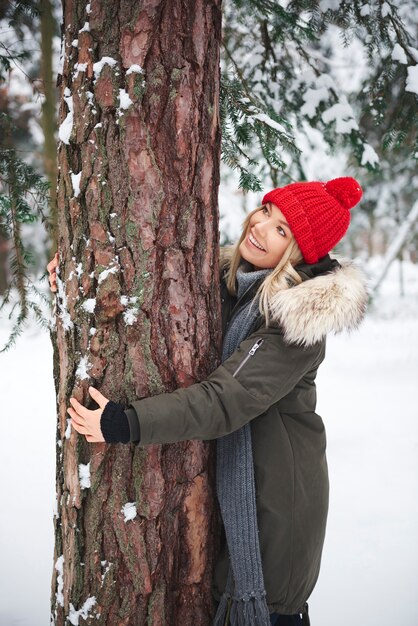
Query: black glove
[114, 423]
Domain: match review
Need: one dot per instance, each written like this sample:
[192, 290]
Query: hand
[85, 421]
[52, 274]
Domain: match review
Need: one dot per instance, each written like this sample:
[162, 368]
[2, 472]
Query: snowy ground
[366, 397]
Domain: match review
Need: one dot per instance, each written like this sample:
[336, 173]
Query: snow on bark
[59, 566]
[110, 270]
[134, 69]
[85, 29]
[74, 615]
[82, 368]
[124, 100]
[67, 433]
[66, 127]
[129, 511]
[97, 67]
[75, 180]
[84, 475]
[89, 305]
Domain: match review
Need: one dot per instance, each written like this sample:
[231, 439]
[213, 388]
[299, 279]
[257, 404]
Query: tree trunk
[138, 309]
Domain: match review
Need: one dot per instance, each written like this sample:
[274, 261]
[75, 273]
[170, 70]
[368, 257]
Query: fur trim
[326, 303]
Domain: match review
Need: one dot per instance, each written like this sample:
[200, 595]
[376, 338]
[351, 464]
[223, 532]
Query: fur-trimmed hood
[328, 302]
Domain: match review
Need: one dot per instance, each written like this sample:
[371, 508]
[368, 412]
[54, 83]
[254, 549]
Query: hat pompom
[345, 190]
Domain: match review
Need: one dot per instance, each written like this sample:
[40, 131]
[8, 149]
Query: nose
[261, 228]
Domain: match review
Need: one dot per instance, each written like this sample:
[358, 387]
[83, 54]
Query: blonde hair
[283, 275]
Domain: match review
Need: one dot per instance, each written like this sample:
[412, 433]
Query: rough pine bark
[138, 310]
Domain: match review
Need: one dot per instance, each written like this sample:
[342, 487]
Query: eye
[264, 209]
[283, 232]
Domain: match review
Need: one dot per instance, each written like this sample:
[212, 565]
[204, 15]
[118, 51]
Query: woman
[281, 294]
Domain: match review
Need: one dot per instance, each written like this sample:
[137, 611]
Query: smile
[254, 242]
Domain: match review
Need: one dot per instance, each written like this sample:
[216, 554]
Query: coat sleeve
[228, 398]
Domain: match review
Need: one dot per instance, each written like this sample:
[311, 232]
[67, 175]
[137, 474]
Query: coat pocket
[251, 353]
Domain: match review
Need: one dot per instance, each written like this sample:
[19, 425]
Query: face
[270, 230]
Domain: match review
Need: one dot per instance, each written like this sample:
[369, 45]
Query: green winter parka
[269, 381]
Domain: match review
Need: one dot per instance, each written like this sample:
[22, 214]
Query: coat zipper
[251, 352]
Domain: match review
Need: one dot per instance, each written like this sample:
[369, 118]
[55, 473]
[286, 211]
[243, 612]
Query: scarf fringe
[221, 613]
[253, 611]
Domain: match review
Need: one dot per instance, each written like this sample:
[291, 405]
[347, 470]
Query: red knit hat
[318, 213]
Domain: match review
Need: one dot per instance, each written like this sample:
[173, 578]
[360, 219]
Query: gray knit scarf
[236, 491]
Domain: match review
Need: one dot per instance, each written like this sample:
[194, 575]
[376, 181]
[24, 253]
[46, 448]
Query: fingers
[80, 409]
[75, 417]
[80, 429]
[53, 281]
[98, 397]
[53, 263]
[52, 274]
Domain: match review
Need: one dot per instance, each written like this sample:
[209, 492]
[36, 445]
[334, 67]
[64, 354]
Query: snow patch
[398, 54]
[67, 433]
[92, 331]
[89, 305]
[369, 156]
[90, 96]
[124, 300]
[124, 101]
[129, 511]
[412, 79]
[79, 67]
[62, 56]
[131, 314]
[85, 29]
[267, 120]
[137, 69]
[84, 475]
[59, 566]
[74, 615]
[107, 565]
[75, 181]
[312, 98]
[97, 67]
[66, 127]
[386, 9]
[106, 272]
[342, 114]
[82, 368]
[79, 269]
[413, 52]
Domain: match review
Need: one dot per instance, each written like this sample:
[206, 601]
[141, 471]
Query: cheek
[278, 246]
